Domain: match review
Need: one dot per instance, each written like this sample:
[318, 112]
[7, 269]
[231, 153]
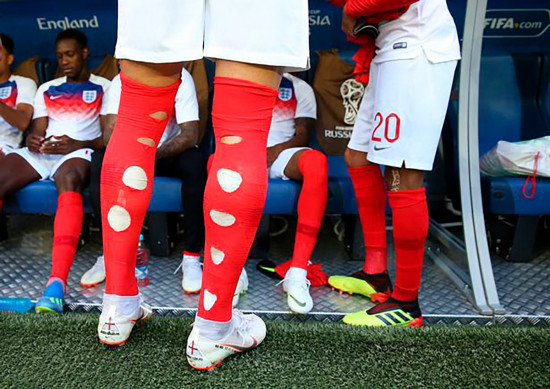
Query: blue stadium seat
[508, 109]
[41, 198]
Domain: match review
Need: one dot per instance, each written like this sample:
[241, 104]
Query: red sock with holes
[311, 205]
[66, 231]
[127, 177]
[410, 229]
[370, 192]
[235, 190]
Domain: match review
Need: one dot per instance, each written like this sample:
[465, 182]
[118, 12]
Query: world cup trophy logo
[352, 92]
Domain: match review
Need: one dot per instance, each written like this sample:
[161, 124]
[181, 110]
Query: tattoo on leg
[396, 180]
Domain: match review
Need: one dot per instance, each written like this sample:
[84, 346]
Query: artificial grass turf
[63, 351]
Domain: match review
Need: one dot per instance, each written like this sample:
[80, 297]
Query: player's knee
[313, 165]
[70, 180]
[403, 179]
[355, 158]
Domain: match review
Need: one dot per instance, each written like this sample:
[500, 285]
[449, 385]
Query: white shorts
[402, 112]
[268, 32]
[5, 149]
[47, 164]
[277, 169]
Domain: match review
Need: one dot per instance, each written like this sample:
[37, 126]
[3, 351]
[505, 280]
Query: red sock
[410, 229]
[209, 163]
[190, 254]
[235, 190]
[66, 230]
[127, 177]
[311, 205]
[1, 204]
[370, 192]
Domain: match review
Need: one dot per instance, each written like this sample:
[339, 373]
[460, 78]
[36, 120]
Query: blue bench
[510, 109]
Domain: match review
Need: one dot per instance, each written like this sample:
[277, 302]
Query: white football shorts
[266, 32]
[402, 112]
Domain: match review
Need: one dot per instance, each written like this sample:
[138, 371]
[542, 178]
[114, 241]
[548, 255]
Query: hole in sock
[222, 219]
[135, 178]
[147, 141]
[159, 116]
[217, 255]
[231, 140]
[209, 300]
[119, 218]
[229, 180]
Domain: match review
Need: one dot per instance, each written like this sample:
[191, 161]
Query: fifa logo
[352, 92]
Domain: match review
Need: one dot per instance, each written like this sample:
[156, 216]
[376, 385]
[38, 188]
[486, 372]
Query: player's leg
[373, 280]
[407, 144]
[146, 104]
[310, 167]
[15, 173]
[235, 193]
[273, 33]
[96, 274]
[70, 179]
[153, 40]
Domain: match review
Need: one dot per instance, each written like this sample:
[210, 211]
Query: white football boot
[191, 268]
[296, 285]
[114, 329]
[242, 288]
[205, 354]
[95, 275]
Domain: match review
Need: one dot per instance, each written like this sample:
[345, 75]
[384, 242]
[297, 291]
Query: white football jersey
[186, 105]
[17, 90]
[72, 109]
[427, 25]
[296, 100]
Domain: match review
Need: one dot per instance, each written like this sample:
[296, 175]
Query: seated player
[63, 134]
[288, 158]
[177, 156]
[16, 99]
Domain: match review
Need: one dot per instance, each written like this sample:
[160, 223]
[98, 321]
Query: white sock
[296, 272]
[126, 305]
[192, 258]
[214, 330]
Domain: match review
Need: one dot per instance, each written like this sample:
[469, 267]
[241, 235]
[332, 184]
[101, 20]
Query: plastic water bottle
[15, 304]
[142, 263]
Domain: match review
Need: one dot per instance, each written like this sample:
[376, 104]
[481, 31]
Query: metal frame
[479, 260]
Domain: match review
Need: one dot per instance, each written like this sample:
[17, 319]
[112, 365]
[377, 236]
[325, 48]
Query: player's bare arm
[300, 139]
[36, 134]
[188, 138]
[64, 144]
[19, 117]
[107, 123]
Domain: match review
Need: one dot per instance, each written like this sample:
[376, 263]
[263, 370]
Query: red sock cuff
[406, 198]
[190, 254]
[69, 198]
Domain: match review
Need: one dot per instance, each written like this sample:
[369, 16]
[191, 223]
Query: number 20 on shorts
[392, 125]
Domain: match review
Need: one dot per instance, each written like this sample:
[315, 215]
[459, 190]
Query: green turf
[63, 351]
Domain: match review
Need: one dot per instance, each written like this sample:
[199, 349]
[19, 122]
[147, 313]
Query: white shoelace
[192, 264]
